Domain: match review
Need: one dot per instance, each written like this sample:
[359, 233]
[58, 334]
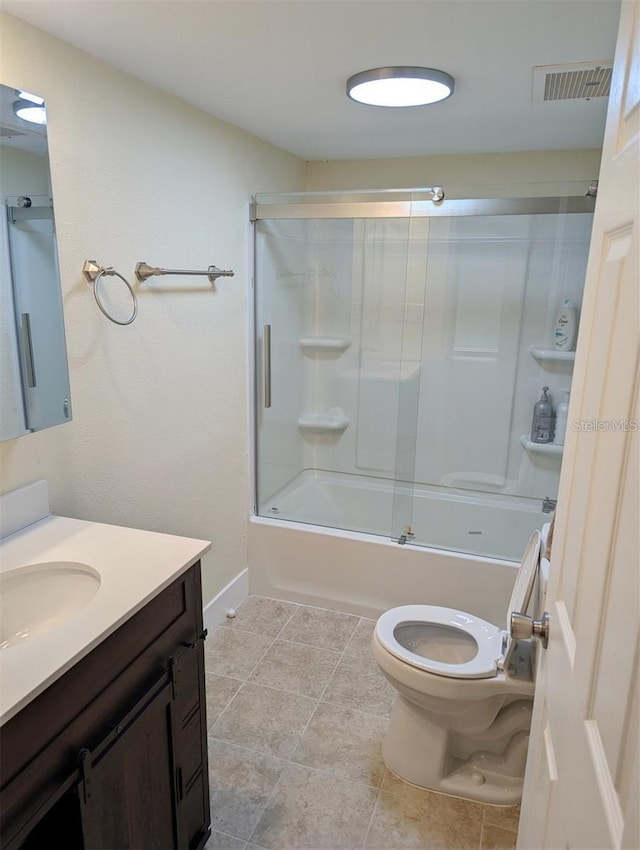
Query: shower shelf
[321, 423]
[551, 354]
[313, 344]
[541, 448]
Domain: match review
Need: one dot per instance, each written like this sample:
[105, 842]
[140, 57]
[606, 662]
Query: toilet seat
[488, 639]
[494, 646]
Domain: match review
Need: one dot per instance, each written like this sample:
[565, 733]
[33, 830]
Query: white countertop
[134, 567]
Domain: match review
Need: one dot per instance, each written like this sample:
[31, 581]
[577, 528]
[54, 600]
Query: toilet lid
[523, 587]
[473, 645]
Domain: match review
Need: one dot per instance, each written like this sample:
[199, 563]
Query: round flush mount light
[30, 108]
[403, 85]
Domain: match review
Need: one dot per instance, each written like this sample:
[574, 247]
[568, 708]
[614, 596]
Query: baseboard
[231, 596]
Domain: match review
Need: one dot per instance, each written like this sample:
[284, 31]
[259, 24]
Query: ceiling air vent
[580, 81]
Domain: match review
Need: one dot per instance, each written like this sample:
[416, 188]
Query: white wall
[529, 173]
[159, 438]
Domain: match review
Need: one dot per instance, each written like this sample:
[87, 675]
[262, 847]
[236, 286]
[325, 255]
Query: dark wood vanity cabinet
[113, 755]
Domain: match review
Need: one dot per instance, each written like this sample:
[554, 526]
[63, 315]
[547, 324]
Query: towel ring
[93, 273]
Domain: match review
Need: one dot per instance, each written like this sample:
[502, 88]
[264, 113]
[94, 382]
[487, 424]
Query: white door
[581, 787]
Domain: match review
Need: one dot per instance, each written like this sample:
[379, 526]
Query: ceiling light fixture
[34, 98]
[403, 85]
[30, 108]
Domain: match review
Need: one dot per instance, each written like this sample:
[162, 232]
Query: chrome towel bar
[145, 271]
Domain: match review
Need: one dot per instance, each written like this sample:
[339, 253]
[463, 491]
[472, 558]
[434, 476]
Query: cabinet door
[127, 796]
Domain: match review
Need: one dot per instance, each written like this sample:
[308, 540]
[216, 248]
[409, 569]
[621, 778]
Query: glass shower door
[282, 280]
[336, 372]
[492, 284]
[304, 363]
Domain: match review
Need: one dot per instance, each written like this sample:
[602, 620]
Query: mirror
[34, 376]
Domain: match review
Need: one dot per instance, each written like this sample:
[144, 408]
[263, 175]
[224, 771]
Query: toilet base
[421, 751]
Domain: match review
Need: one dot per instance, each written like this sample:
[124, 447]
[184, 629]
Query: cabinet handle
[179, 783]
[191, 644]
[173, 672]
[84, 757]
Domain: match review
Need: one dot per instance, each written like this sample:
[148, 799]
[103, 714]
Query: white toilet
[460, 723]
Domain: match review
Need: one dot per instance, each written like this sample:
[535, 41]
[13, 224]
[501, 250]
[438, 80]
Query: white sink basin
[39, 597]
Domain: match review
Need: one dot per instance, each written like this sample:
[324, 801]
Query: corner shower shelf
[312, 344]
[551, 354]
[321, 423]
[541, 448]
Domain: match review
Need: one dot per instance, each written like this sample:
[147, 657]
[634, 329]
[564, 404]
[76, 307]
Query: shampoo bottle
[543, 419]
[566, 326]
[562, 413]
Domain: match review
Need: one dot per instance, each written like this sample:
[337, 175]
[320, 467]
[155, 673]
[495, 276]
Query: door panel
[586, 705]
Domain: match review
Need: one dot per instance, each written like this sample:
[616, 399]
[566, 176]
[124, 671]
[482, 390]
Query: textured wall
[487, 175]
[159, 438]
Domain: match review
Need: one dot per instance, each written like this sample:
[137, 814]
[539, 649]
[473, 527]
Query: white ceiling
[278, 67]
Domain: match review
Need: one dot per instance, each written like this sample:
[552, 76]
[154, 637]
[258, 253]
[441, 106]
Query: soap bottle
[543, 419]
[562, 413]
[566, 326]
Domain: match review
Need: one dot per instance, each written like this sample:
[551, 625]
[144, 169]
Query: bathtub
[365, 575]
[493, 525]
[361, 571]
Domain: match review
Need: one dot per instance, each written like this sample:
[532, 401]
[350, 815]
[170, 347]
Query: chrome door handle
[27, 345]
[524, 627]
[267, 365]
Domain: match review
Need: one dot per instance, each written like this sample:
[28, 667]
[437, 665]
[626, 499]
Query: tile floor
[296, 711]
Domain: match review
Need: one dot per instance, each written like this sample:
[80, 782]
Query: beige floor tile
[264, 719]
[424, 797]
[313, 811]
[358, 682]
[262, 616]
[320, 627]
[305, 773]
[220, 690]
[234, 653]
[344, 743]
[494, 838]
[241, 782]
[506, 817]
[433, 822]
[360, 641]
[221, 841]
[296, 667]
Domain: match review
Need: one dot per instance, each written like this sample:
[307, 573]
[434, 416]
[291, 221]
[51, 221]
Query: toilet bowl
[460, 723]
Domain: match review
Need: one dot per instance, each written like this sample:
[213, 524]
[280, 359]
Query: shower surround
[403, 344]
